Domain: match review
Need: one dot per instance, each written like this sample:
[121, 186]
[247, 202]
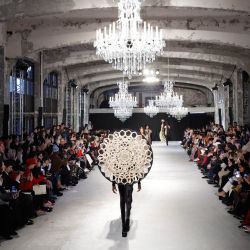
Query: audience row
[35, 169]
[223, 158]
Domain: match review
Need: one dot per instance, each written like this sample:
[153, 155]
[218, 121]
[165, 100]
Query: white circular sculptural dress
[125, 157]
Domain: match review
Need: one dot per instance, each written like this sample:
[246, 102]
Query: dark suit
[167, 133]
[22, 207]
[7, 182]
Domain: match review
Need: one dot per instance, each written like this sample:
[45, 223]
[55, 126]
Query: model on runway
[125, 158]
[126, 199]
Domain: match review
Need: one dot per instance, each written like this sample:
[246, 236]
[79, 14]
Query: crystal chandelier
[150, 76]
[122, 99]
[169, 99]
[123, 102]
[151, 110]
[123, 113]
[129, 43]
[178, 112]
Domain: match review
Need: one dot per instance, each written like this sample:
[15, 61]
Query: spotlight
[140, 73]
[145, 72]
[157, 72]
[228, 82]
[151, 79]
[85, 90]
[215, 87]
[73, 83]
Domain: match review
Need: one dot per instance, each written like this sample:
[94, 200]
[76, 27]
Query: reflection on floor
[175, 210]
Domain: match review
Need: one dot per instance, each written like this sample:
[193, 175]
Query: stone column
[78, 109]
[246, 99]
[226, 107]
[223, 104]
[238, 97]
[62, 81]
[75, 109]
[216, 106]
[3, 72]
[2, 83]
[38, 93]
[86, 108]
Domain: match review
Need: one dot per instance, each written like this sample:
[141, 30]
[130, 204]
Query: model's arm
[139, 186]
[114, 187]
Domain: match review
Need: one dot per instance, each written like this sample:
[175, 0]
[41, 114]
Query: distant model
[148, 133]
[162, 133]
[167, 132]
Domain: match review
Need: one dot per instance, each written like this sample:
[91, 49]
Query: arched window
[50, 99]
[21, 86]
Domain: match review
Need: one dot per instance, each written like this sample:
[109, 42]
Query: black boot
[127, 225]
[124, 231]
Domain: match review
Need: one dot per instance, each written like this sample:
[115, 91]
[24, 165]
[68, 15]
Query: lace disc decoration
[125, 157]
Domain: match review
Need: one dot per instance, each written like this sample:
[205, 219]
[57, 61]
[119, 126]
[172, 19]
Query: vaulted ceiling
[205, 38]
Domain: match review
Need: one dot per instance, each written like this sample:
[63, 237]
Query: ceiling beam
[54, 60]
[23, 9]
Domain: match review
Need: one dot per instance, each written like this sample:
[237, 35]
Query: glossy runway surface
[176, 210]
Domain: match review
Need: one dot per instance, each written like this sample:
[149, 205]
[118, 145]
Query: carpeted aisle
[175, 210]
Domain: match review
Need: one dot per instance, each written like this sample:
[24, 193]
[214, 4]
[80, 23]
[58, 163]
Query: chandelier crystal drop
[129, 43]
[151, 110]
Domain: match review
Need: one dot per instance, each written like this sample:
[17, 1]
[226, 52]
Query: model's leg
[129, 200]
[122, 192]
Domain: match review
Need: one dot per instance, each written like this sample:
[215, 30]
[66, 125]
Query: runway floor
[176, 210]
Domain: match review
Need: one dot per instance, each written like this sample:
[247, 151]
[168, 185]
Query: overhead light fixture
[228, 82]
[215, 87]
[151, 79]
[123, 102]
[168, 98]
[151, 110]
[178, 112]
[151, 75]
[129, 44]
[85, 90]
[73, 83]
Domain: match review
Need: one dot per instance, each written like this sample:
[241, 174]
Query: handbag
[40, 189]
[89, 159]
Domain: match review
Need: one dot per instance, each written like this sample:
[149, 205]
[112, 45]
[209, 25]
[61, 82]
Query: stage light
[85, 90]
[145, 72]
[215, 87]
[228, 82]
[73, 83]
